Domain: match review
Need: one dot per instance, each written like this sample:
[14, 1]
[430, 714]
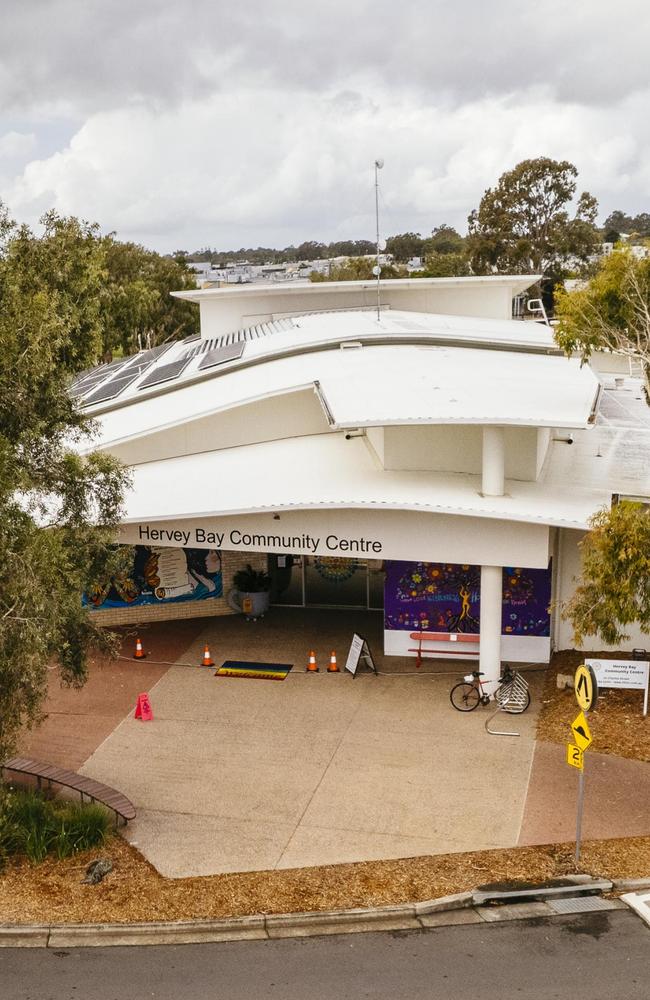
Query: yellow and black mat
[258, 671]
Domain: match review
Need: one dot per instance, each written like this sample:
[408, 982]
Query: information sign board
[629, 674]
[359, 653]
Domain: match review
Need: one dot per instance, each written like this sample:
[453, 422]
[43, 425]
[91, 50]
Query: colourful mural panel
[162, 575]
[446, 597]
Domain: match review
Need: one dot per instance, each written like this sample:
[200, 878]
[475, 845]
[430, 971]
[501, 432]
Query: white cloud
[238, 124]
[258, 167]
[86, 54]
[16, 145]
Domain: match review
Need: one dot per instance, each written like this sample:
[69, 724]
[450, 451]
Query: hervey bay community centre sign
[235, 538]
[353, 533]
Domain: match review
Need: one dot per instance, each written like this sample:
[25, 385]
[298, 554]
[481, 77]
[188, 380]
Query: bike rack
[511, 698]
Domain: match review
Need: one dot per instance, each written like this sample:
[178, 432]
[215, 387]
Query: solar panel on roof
[90, 379]
[97, 373]
[146, 358]
[155, 352]
[113, 388]
[82, 375]
[192, 352]
[220, 355]
[165, 373]
[80, 388]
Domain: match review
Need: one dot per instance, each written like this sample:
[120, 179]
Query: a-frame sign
[359, 653]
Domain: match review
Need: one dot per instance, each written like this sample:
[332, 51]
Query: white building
[440, 454]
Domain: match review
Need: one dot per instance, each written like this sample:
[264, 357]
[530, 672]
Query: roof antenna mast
[379, 163]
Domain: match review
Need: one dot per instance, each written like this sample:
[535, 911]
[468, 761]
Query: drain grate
[583, 904]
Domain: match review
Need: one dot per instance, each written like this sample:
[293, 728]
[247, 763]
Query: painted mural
[162, 575]
[446, 597]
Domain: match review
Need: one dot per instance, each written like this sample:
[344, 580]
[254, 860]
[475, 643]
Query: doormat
[263, 671]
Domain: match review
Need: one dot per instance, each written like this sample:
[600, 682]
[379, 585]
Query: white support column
[493, 485]
[494, 456]
[490, 645]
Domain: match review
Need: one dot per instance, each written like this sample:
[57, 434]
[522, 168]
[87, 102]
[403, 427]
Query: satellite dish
[379, 163]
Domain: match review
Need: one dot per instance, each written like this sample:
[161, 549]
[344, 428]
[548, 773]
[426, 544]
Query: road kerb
[21, 936]
[181, 932]
[465, 907]
[631, 884]
[458, 901]
[342, 921]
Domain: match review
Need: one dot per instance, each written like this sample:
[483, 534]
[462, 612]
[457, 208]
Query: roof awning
[327, 471]
[456, 385]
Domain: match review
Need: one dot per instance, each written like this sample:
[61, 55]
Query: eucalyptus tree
[58, 509]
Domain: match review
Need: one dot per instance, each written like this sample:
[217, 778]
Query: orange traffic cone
[333, 667]
[312, 666]
[207, 659]
[139, 651]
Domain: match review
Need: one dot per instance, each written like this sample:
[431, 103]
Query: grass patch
[35, 826]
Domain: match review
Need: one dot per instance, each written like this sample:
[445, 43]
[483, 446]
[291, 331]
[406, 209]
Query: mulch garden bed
[617, 724]
[52, 891]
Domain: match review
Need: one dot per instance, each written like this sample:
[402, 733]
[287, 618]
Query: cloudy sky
[227, 124]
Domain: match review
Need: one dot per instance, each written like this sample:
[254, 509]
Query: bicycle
[469, 693]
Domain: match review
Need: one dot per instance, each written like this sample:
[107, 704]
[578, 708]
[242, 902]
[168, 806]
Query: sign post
[586, 692]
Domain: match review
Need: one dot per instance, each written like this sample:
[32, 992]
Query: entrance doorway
[326, 582]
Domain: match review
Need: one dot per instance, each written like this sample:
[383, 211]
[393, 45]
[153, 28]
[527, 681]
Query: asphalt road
[598, 956]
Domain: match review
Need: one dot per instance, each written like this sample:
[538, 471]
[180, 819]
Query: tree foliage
[309, 250]
[58, 508]
[358, 269]
[444, 240]
[611, 312]
[637, 225]
[614, 592]
[523, 224]
[404, 246]
[445, 265]
[137, 310]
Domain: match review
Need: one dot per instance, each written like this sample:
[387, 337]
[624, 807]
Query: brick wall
[231, 562]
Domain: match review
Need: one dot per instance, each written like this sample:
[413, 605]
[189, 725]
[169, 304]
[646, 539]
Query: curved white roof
[381, 386]
[403, 368]
[328, 471]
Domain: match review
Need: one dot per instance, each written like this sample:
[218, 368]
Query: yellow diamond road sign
[586, 687]
[581, 731]
[574, 756]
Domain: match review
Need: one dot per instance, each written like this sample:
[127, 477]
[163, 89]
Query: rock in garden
[96, 871]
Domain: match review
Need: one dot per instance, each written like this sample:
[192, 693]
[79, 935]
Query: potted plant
[251, 593]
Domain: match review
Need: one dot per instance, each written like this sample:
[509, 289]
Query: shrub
[34, 822]
[9, 836]
[33, 825]
[81, 827]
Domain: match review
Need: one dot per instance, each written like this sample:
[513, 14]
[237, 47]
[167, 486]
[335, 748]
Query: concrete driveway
[238, 774]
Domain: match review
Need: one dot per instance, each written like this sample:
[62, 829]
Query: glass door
[326, 582]
[335, 582]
